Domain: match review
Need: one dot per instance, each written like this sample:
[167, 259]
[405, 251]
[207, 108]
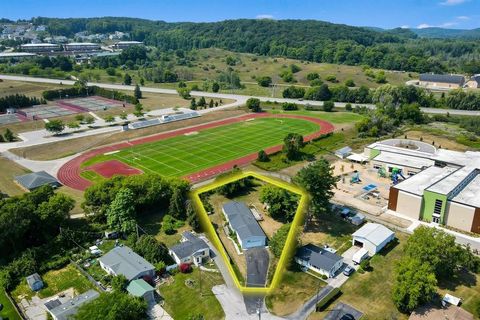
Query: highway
[240, 99]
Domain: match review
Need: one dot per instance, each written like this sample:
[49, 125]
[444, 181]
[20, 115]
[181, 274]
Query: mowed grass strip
[185, 154]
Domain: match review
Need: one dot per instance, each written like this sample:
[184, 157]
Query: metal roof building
[373, 237]
[32, 181]
[64, 311]
[443, 78]
[244, 224]
[122, 260]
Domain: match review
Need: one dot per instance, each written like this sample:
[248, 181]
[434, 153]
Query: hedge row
[73, 92]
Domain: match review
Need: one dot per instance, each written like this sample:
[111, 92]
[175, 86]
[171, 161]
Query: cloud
[424, 25]
[447, 24]
[405, 26]
[264, 16]
[463, 18]
[452, 2]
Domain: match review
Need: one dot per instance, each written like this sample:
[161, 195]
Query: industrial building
[40, 47]
[126, 44]
[440, 186]
[444, 81]
[82, 46]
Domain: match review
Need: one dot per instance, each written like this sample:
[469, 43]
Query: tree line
[299, 39]
[18, 101]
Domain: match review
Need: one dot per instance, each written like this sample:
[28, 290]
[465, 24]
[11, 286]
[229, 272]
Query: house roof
[31, 279]
[139, 287]
[191, 245]
[242, 220]
[318, 257]
[69, 308]
[35, 180]
[122, 260]
[373, 232]
[444, 78]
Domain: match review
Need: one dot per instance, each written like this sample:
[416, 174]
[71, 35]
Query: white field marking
[154, 160]
[111, 152]
[191, 133]
[251, 119]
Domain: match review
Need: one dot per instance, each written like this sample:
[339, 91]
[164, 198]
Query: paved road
[240, 99]
[342, 309]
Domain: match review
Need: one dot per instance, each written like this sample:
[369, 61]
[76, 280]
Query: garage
[373, 237]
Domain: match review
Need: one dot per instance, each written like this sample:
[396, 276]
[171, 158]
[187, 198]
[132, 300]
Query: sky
[460, 14]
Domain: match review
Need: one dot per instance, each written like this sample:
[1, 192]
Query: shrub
[289, 106]
[185, 268]
[263, 156]
[331, 78]
[348, 107]
[328, 106]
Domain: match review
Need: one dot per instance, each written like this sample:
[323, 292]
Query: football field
[198, 150]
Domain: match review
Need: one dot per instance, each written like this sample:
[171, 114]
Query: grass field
[8, 171]
[8, 311]
[184, 154]
[181, 302]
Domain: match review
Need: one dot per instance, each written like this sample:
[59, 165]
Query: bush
[348, 107]
[293, 92]
[185, 268]
[264, 81]
[263, 156]
[312, 76]
[289, 106]
[326, 300]
[328, 106]
[254, 105]
[350, 83]
[331, 78]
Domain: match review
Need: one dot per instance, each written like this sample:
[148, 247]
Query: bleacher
[144, 123]
[164, 119]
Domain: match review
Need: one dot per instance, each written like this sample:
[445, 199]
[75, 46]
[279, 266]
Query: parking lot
[257, 266]
[343, 310]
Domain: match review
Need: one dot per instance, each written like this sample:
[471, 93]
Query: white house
[319, 260]
[243, 223]
[191, 249]
[373, 237]
[122, 260]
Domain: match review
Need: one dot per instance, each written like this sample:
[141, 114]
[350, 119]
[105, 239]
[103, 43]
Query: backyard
[8, 312]
[182, 301]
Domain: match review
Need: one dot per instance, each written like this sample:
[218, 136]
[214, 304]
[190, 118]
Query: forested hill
[311, 40]
[441, 33]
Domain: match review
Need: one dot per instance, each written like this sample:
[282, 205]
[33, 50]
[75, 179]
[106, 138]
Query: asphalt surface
[257, 266]
[240, 99]
[342, 309]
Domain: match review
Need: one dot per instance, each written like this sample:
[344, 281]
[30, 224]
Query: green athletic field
[185, 154]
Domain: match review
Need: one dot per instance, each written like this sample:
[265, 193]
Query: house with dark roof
[64, 311]
[35, 282]
[446, 81]
[34, 180]
[242, 222]
[319, 260]
[191, 249]
[122, 260]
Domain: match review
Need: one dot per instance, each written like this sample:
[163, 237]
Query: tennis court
[46, 111]
[184, 154]
[93, 103]
[8, 119]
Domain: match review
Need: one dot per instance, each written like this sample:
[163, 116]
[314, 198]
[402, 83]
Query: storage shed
[373, 237]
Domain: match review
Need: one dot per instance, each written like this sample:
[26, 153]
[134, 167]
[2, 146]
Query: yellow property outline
[288, 249]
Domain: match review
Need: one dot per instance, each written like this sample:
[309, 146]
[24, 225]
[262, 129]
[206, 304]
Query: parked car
[348, 271]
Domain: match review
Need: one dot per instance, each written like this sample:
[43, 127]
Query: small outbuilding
[140, 288]
[319, 260]
[343, 152]
[373, 237]
[32, 181]
[35, 282]
[66, 310]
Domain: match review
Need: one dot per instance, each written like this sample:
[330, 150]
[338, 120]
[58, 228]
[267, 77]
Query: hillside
[441, 33]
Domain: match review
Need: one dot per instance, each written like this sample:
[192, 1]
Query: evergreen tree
[9, 136]
[137, 93]
[127, 79]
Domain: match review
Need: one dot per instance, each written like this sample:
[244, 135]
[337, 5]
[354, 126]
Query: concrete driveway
[257, 266]
[342, 309]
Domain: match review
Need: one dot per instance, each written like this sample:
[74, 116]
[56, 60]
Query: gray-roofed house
[122, 260]
[243, 223]
[319, 260]
[64, 311]
[35, 282]
[32, 181]
[442, 80]
[373, 237]
[191, 249]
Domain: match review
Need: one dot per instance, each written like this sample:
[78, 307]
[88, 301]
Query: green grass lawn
[55, 281]
[336, 117]
[182, 301]
[8, 311]
[184, 154]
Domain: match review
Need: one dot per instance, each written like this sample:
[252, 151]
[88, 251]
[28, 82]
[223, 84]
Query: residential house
[318, 259]
[65, 311]
[191, 249]
[123, 261]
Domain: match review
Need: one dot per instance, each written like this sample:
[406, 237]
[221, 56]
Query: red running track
[69, 173]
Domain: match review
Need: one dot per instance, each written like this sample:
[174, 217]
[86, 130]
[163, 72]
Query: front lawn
[182, 301]
[8, 311]
[295, 289]
[55, 281]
